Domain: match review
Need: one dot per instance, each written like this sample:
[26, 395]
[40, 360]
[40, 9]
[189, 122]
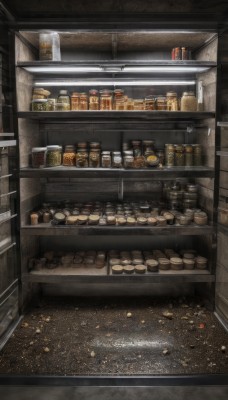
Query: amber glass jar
[119, 100]
[150, 103]
[161, 103]
[93, 100]
[82, 158]
[94, 158]
[75, 101]
[69, 156]
[105, 100]
[83, 106]
[139, 105]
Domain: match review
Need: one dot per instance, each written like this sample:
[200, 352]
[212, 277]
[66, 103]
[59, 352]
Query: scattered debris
[129, 315]
[184, 318]
[46, 349]
[38, 331]
[191, 322]
[201, 325]
[93, 354]
[223, 349]
[165, 352]
[167, 315]
[25, 325]
[143, 322]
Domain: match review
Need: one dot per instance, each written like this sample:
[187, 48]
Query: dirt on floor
[124, 336]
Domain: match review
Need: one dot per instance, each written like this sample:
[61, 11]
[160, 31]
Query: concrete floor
[114, 393]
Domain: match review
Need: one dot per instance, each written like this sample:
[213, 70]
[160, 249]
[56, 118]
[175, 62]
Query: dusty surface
[117, 337]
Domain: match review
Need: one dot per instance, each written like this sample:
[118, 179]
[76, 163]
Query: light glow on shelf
[113, 82]
[164, 69]
[55, 70]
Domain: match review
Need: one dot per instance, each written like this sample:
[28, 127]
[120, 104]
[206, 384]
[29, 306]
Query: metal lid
[63, 92]
[36, 149]
[53, 147]
[39, 101]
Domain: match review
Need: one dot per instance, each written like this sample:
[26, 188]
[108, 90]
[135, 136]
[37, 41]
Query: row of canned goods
[107, 100]
[136, 154]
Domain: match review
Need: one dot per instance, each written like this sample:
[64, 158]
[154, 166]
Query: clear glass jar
[53, 156]
[139, 105]
[93, 100]
[128, 161]
[148, 147]
[117, 161]
[172, 101]
[75, 101]
[83, 105]
[150, 103]
[69, 156]
[188, 102]
[51, 104]
[64, 98]
[179, 156]
[82, 158]
[40, 105]
[94, 158]
[188, 155]
[197, 154]
[137, 147]
[39, 157]
[105, 100]
[106, 161]
[119, 101]
[169, 155]
[161, 103]
[161, 156]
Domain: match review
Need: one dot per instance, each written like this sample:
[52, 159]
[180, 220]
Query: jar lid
[189, 261]
[75, 94]
[201, 259]
[39, 101]
[36, 149]
[150, 98]
[93, 92]
[171, 94]
[188, 94]
[94, 144]
[53, 147]
[148, 142]
[136, 142]
[119, 91]
[106, 92]
[128, 152]
[116, 153]
[106, 153]
[69, 147]
[176, 260]
[82, 144]
[63, 92]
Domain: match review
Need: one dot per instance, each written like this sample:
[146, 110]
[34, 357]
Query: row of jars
[107, 100]
[183, 155]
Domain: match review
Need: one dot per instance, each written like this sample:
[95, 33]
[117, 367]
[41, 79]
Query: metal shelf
[70, 275]
[106, 116]
[152, 173]
[222, 153]
[223, 124]
[8, 143]
[7, 248]
[8, 218]
[68, 230]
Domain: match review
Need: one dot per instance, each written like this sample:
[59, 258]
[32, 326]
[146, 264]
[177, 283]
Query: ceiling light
[115, 82]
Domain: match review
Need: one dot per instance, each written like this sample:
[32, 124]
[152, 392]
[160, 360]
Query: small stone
[31, 343]
[46, 349]
[223, 349]
[167, 315]
[191, 322]
[192, 346]
[129, 315]
[139, 356]
[38, 331]
[165, 352]
[184, 318]
[184, 363]
[98, 326]
[184, 306]
[25, 325]
[48, 319]
[143, 322]
[93, 354]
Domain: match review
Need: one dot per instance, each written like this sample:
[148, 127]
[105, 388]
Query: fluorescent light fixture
[113, 82]
[54, 70]
[164, 69]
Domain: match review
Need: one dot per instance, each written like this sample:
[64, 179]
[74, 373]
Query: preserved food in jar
[152, 160]
[83, 105]
[169, 155]
[39, 105]
[75, 101]
[39, 157]
[64, 98]
[150, 103]
[161, 103]
[82, 158]
[53, 157]
[172, 101]
[93, 100]
[130, 104]
[51, 104]
[197, 154]
[179, 155]
[106, 161]
[139, 105]
[128, 161]
[116, 159]
[161, 156]
[105, 100]
[188, 155]
[137, 147]
[188, 102]
[148, 147]
[69, 156]
[94, 158]
[119, 100]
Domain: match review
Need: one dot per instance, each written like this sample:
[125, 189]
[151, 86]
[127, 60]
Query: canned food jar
[137, 147]
[188, 155]
[148, 147]
[188, 263]
[75, 101]
[201, 262]
[197, 155]
[105, 100]
[119, 100]
[53, 156]
[176, 263]
[188, 102]
[128, 161]
[200, 218]
[169, 155]
[40, 105]
[83, 105]
[172, 101]
[150, 103]
[161, 103]
[69, 156]
[39, 157]
[51, 104]
[94, 158]
[106, 161]
[82, 158]
[93, 100]
[129, 105]
[164, 263]
[139, 104]
[179, 156]
[64, 98]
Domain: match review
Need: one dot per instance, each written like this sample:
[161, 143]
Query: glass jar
[83, 105]
[197, 154]
[150, 103]
[160, 153]
[117, 159]
[119, 101]
[51, 104]
[106, 161]
[39, 157]
[105, 100]
[75, 101]
[53, 156]
[179, 155]
[188, 155]
[172, 101]
[161, 103]
[188, 102]
[94, 158]
[69, 156]
[40, 105]
[45, 46]
[82, 158]
[148, 147]
[130, 104]
[128, 161]
[137, 147]
[93, 100]
[64, 98]
[139, 105]
[169, 155]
